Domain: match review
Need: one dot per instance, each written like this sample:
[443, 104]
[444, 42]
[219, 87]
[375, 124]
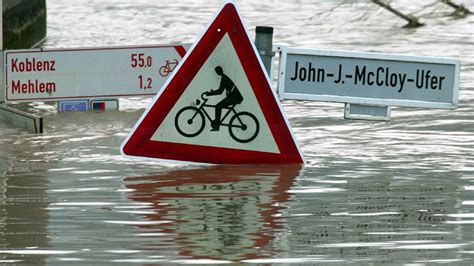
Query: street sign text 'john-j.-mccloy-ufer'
[369, 78]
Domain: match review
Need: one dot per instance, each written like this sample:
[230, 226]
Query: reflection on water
[23, 207]
[372, 192]
[385, 218]
[222, 213]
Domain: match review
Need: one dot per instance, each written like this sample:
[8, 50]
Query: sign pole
[1, 26]
[264, 45]
[2, 84]
[2, 78]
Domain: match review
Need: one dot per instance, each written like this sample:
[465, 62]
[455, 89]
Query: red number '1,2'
[145, 83]
[140, 60]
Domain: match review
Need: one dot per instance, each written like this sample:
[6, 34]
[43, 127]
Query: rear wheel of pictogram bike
[189, 121]
[164, 71]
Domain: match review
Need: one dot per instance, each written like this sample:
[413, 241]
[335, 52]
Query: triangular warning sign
[217, 107]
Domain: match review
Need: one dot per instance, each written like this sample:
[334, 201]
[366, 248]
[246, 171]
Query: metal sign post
[2, 81]
[264, 45]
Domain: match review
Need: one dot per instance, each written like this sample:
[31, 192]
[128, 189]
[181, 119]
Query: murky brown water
[400, 192]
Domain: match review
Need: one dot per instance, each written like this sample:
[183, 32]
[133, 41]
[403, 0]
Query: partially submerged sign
[73, 106]
[51, 75]
[217, 107]
[368, 78]
[22, 119]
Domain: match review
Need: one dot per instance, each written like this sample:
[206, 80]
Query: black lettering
[321, 74]
[402, 78]
[379, 80]
[312, 72]
[370, 75]
[393, 80]
[419, 78]
[360, 75]
[441, 82]
[434, 82]
[427, 78]
[296, 71]
[303, 73]
[339, 78]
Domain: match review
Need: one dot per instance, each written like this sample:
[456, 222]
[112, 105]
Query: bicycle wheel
[164, 71]
[189, 121]
[244, 127]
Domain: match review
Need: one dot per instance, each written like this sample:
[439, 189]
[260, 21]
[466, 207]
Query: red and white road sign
[218, 106]
[83, 73]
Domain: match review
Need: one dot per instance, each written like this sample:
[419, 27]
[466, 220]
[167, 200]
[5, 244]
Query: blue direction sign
[74, 106]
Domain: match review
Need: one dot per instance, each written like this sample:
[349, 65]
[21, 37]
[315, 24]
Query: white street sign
[368, 78]
[51, 75]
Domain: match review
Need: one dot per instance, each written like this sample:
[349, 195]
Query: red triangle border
[139, 143]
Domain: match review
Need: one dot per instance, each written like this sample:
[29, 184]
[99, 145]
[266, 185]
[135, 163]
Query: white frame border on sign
[360, 100]
[171, 77]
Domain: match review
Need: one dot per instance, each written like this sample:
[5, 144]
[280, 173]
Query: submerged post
[460, 9]
[264, 44]
[412, 21]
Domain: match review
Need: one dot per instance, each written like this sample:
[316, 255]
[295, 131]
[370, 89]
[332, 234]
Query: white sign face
[174, 128]
[369, 78]
[51, 75]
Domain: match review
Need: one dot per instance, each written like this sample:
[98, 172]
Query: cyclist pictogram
[243, 126]
[168, 67]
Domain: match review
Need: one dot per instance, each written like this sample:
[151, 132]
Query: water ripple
[397, 192]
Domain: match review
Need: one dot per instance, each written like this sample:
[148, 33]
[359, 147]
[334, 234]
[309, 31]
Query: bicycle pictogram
[168, 67]
[191, 120]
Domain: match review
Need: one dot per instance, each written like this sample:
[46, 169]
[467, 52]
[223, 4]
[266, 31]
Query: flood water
[398, 192]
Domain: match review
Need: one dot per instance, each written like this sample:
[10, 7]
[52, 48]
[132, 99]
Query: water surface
[398, 192]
